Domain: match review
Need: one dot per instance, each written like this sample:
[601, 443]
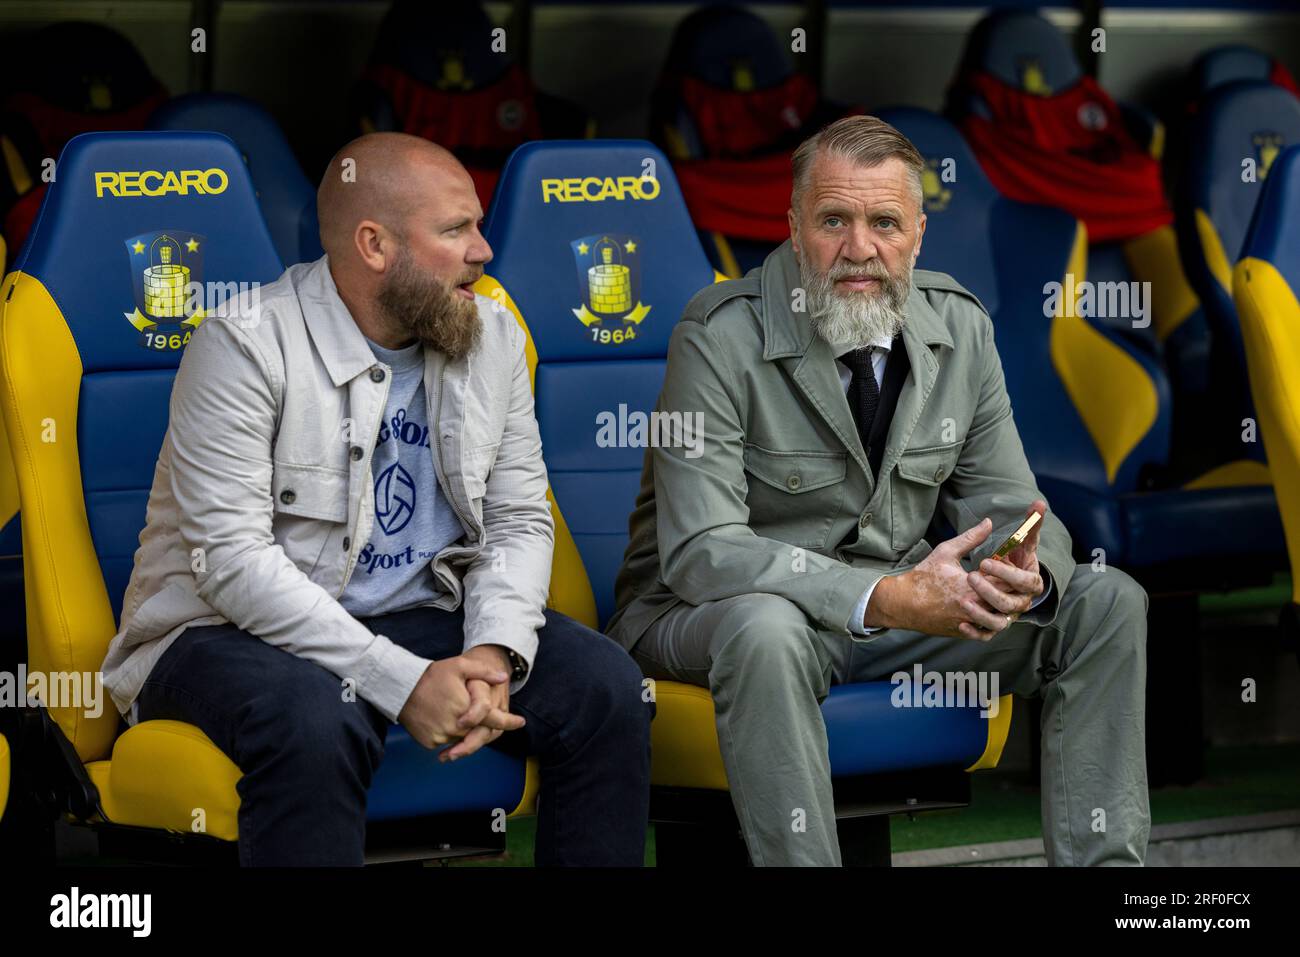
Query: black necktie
[864, 392]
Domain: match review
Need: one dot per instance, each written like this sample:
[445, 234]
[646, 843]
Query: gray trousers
[768, 669]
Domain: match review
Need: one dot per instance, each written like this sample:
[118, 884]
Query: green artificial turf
[1267, 598]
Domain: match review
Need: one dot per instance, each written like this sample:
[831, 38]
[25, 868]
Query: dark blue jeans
[308, 756]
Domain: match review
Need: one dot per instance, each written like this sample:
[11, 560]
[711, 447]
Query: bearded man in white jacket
[348, 528]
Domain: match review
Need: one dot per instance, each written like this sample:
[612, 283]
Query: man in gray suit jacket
[846, 399]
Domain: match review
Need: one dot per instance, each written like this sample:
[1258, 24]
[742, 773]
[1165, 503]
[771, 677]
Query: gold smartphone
[1018, 536]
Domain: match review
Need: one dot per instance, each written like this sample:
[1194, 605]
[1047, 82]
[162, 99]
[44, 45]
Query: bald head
[383, 178]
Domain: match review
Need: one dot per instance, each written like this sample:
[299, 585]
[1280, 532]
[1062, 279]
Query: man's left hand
[489, 705]
[1010, 585]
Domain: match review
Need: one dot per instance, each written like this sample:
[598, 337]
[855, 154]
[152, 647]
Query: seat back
[138, 237]
[287, 198]
[1237, 133]
[1045, 132]
[596, 257]
[1089, 409]
[1266, 285]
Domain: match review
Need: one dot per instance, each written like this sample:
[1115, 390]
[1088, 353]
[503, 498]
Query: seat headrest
[81, 67]
[1024, 51]
[728, 47]
[958, 201]
[442, 45]
[137, 231]
[1238, 121]
[283, 190]
[592, 240]
[1274, 233]
[1228, 63]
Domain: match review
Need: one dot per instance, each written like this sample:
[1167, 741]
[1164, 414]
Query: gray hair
[867, 141]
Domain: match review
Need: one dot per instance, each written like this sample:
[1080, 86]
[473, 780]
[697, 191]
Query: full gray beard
[856, 318]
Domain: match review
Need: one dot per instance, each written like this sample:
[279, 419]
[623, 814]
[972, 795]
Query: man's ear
[920, 234]
[375, 245]
[794, 228]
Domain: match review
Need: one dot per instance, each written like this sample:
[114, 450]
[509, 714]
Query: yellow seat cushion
[684, 739]
[169, 774]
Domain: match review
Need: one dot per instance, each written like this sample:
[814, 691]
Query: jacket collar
[334, 332]
[787, 333]
[789, 336]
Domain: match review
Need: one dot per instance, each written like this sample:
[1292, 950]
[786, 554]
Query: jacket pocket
[794, 496]
[311, 504]
[915, 493]
[310, 491]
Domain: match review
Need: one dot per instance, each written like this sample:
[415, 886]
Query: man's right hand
[935, 596]
[442, 695]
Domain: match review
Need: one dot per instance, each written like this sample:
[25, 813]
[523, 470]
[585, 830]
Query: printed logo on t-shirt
[394, 498]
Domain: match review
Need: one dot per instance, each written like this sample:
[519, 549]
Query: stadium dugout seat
[1266, 287]
[87, 360]
[286, 197]
[1227, 64]
[437, 71]
[67, 78]
[729, 110]
[597, 346]
[1046, 133]
[1093, 412]
[1235, 136]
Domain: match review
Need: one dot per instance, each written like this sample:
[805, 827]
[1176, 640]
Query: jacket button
[793, 482]
[347, 543]
[938, 473]
[287, 496]
[357, 453]
[864, 521]
[376, 374]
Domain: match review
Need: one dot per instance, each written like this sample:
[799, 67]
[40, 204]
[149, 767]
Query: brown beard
[430, 310]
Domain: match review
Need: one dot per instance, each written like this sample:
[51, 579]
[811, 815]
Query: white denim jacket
[262, 496]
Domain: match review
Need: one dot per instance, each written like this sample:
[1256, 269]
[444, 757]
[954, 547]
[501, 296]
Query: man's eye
[886, 224]
[833, 221]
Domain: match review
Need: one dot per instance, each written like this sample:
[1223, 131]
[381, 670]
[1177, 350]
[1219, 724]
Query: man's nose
[860, 244]
[479, 252]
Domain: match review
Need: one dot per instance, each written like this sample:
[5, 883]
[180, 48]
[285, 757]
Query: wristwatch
[519, 667]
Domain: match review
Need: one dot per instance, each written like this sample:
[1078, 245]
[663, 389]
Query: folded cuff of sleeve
[392, 675]
[843, 597]
[522, 641]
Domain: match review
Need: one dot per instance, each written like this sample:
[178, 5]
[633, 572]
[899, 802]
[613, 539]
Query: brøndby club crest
[609, 274]
[1267, 147]
[167, 276]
